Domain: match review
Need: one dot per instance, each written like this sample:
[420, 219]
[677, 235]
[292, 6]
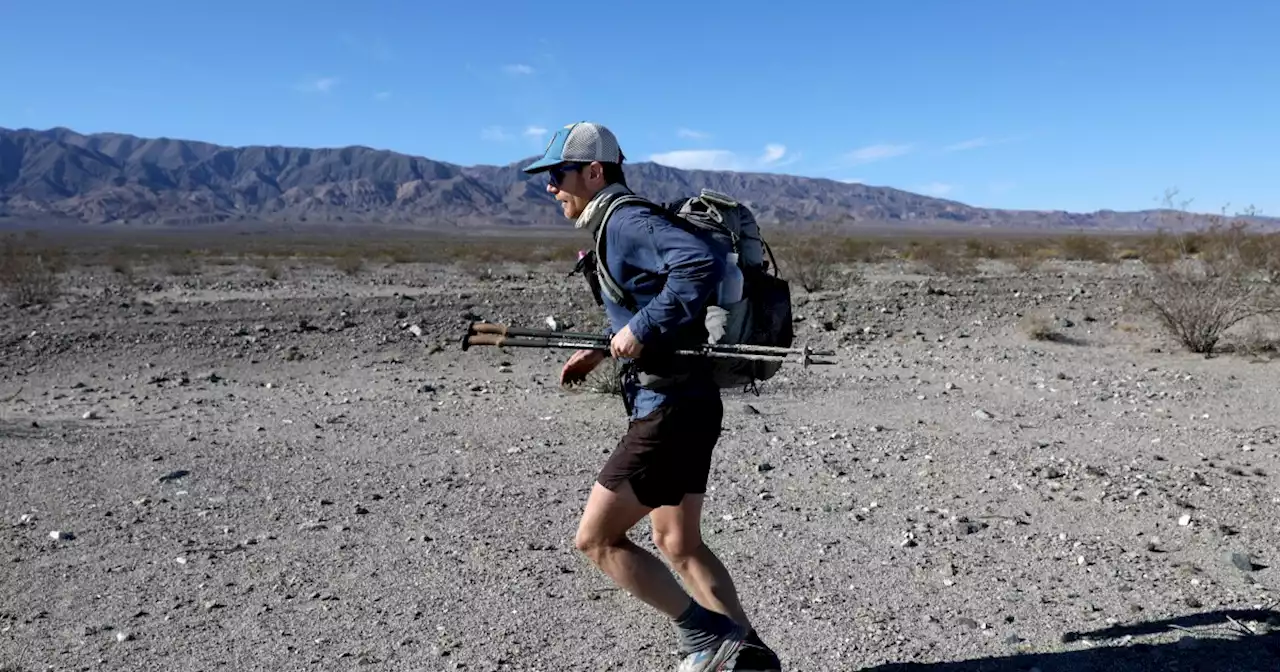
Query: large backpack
[757, 314]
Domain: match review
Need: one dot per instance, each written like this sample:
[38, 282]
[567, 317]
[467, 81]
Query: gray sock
[699, 627]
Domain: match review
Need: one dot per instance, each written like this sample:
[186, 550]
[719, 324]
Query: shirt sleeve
[693, 272]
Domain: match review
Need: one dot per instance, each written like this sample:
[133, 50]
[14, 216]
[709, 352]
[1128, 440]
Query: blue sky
[1001, 103]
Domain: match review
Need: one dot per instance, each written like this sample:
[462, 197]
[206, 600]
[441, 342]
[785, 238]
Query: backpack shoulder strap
[699, 221]
[608, 284]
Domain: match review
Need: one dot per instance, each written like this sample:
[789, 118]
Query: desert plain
[225, 463]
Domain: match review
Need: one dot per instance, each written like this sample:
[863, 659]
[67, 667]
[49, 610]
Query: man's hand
[625, 344]
[579, 365]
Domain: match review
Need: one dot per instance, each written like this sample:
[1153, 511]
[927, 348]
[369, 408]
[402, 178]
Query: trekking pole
[487, 333]
[506, 330]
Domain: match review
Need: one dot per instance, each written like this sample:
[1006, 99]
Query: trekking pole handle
[508, 330]
[530, 342]
[481, 339]
[487, 328]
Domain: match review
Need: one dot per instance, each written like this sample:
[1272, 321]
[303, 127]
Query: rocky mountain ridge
[59, 175]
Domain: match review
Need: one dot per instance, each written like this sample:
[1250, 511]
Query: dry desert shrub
[812, 261]
[1257, 253]
[1128, 254]
[478, 269]
[939, 258]
[866, 250]
[1162, 248]
[120, 264]
[606, 378]
[1027, 255]
[1038, 327]
[979, 248]
[1085, 247]
[182, 265]
[506, 250]
[349, 263]
[1041, 327]
[1258, 342]
[270, 266]
[402, 254]
[28, 276]
[1205, 282]
[1198, 300]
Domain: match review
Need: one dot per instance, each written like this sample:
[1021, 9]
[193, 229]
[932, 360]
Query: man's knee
[609, 515]
[589, 541]
[677, 545]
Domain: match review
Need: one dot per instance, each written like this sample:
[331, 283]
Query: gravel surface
[228, 471]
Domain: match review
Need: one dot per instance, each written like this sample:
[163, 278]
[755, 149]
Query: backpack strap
[608, 284]
[710, 219]
[610, 287]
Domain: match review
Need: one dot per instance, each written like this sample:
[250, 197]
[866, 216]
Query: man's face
[574, 185]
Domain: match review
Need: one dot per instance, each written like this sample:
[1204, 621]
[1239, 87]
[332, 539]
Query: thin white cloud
[494, 134]
[699, 159]
[774, 155]
[382, 95]
[935, 189]
[319, 85]
[692, 134]
[974, 143]
[518, 69]
[853, 180]
[978, 143]
[535, 132]
[878, 152]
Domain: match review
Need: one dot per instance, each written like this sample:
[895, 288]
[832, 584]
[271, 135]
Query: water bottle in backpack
[730, 291]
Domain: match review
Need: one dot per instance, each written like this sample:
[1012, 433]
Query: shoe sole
[726, 656]
[773, 666]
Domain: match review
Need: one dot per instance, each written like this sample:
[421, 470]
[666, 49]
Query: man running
[660, 466]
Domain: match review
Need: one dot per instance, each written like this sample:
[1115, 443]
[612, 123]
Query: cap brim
[554, 153]
[542, 165]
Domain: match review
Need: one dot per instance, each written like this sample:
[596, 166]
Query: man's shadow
[1223, 642]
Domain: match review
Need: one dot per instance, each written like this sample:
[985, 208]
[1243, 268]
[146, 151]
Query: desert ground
[294, 466]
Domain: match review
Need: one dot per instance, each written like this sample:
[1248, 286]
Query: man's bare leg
[602, 537]
[677, 533]
[708, 638]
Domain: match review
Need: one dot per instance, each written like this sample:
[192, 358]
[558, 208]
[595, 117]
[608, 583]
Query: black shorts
[667, 453]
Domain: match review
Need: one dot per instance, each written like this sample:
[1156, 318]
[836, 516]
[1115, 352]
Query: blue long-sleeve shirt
[672, 274]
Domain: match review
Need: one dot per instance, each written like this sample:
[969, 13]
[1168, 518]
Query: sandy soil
[225, 471]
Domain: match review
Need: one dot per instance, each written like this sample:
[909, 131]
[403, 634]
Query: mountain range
[60, 176]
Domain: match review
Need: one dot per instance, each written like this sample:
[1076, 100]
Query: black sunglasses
[556, 175]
